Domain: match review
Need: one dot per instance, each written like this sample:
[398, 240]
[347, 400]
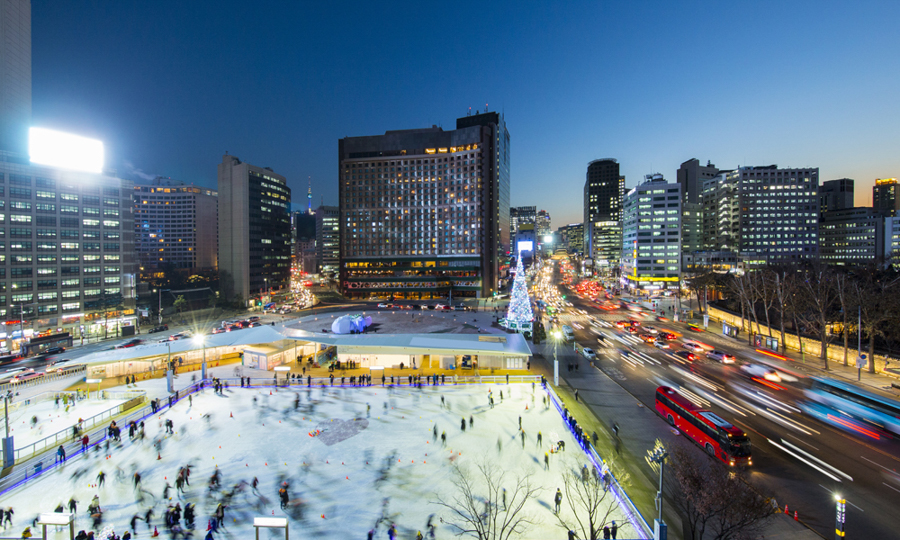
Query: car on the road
[759, 370]
[687, 355]
[179, 335]
[622, 324]
[219, 330]
[661, 344]
[669, 336]
[647, 338]
[693, 347]
[632, 329]
[254, 324]
[253, 318]
[634, 322]
[385, 306]
[694, 328]
[25, 377]
[720, 356]
[404, 306]
[130, 343]
[589, 353]
[160, 328]
[54, 350]
[651, 330]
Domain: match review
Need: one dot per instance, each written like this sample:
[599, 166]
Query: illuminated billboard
[64, 150]
[525, 245]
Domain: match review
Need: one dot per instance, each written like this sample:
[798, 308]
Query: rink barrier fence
[21, 473]
[14, 387]
[53, 441]
[635, 519]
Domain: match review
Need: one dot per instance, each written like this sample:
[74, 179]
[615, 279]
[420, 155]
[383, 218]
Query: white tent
[350, 323]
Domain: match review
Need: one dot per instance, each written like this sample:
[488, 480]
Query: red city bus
[718, 437]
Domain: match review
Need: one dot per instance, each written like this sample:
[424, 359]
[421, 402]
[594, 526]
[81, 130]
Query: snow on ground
[53, 419]
[375, 457]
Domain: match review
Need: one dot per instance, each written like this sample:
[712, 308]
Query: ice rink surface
[373, 461]
[52, 419]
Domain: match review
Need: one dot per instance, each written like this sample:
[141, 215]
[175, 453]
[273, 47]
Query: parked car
[160, 328]
[759, 370]
[687, 355]
[720, 356]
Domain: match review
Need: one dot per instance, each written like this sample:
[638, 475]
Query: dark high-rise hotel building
[885, 197]
[604, 189]
[424, 212]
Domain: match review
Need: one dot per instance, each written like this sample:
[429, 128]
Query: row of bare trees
[814, 299]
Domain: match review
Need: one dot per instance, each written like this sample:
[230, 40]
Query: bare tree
[785, 287]
[875, 304]
[818, 299]
[483, 509]
[591, 502]
[715, 502]
[845, 290]
[766, 292]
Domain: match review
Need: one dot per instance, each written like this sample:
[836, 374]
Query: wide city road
[797, 459]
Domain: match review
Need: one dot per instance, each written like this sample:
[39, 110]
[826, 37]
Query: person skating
[101, 478]
[7, 517]
[148, 515]
[189, 515]
[471, 422]
[463, 425]
[220, 514]
[539, 438]
[283, 495]
[94, 507]
[443, 438]
[60, 454]
[523, 438]
[614, 530]
[73, 505]
[546, 461]
[558, 499]
[27, 533]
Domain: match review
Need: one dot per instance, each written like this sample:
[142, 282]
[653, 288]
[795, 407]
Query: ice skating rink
[52, 419]
[355, 458]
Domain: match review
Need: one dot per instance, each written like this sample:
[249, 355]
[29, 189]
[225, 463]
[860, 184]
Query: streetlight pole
[659, 455]
[9, 456]
[840, 516]
[556, 337]
[202, 340]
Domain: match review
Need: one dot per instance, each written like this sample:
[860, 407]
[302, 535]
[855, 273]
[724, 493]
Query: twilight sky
[170, 86]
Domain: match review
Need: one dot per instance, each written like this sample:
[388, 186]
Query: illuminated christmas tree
[519, 306]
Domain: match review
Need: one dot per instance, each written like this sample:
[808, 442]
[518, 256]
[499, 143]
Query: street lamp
[200, 339]
[840, 515]
[557, 335]
[659, 455]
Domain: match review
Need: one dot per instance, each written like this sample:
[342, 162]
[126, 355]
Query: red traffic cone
[155, 532]
[231, 415]
[158, 456]
[795, 516]
[786, 509]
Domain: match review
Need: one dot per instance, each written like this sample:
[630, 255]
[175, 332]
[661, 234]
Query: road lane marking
[811, 464]
[807, 454]
[892, 487]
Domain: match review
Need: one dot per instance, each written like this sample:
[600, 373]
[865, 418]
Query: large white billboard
[64, 150]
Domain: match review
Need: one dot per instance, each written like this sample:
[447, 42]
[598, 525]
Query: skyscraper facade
[604, 189]
[542, 224]
[328, 239]
[425, 212]
[254, 230]
[720, 217]
[15, 75]
[691, 176]
[173, 225]
[836, 195]
[651, 247]
[851, 236]
[885, 199]
[779, 212]
[519, 215]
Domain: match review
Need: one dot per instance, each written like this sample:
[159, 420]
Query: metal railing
[14, 387]
[68, 435]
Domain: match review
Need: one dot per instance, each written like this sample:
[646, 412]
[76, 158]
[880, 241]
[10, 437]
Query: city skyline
[281, 90]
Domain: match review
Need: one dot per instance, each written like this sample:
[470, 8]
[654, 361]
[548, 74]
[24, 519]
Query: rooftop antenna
[470, 112]
[309, 198]
[485, 107]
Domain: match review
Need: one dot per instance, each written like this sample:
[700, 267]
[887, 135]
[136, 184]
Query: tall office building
[425, 212]
[836, 195]
[254, 230]
[519, 215]
[885, 199]
[779, 213]
[691, 176]
[15, 75]
[172, 226]
[328, 239]
[604, 189]
[851, 236]
[651, 246]
[720, 217]
[542, 224]
[691, 227]
[573, 235]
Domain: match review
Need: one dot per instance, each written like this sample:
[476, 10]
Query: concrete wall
[811, 347]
